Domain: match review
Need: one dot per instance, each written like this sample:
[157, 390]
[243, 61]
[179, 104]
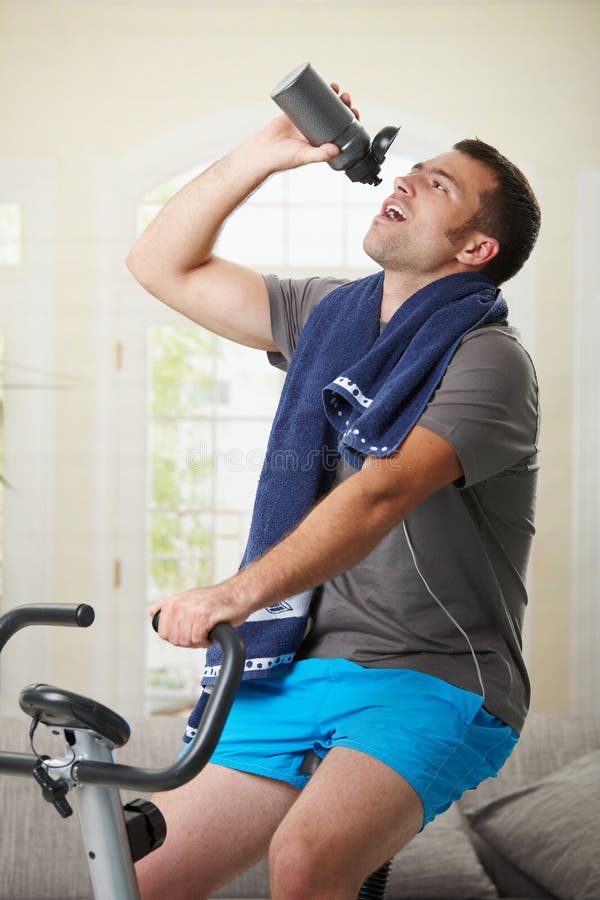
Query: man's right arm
[173, 258]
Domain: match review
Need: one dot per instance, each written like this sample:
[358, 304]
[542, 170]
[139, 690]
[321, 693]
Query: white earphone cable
[441, 605]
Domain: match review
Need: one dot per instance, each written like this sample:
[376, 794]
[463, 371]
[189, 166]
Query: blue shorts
[437, 736]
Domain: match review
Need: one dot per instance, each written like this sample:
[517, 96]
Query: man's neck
[399, 286]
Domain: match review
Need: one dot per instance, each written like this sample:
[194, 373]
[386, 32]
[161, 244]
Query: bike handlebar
[44, 614]
[205, 741]
[132, 777]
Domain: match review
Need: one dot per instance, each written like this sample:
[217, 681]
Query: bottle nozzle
[382, 141]
[367, 169]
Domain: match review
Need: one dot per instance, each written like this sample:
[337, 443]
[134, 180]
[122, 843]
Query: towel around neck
[354, 390]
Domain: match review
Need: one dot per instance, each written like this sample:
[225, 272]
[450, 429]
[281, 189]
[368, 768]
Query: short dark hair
[509, 212]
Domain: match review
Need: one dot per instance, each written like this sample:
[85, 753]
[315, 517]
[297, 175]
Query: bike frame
[88, 769]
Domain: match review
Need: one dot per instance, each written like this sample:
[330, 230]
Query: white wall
[90, 85]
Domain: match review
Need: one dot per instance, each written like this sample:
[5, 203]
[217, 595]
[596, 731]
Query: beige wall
[80, 81]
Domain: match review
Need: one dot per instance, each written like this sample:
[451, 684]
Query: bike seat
[63, 709]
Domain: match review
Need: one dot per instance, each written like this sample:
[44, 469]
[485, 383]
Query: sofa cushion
[509, 880]
[549, 829]
[440, 863]
[548, 742]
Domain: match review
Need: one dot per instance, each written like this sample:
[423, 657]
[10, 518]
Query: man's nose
[404, 185]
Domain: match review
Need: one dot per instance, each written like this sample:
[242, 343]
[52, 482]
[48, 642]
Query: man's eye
[439, 185]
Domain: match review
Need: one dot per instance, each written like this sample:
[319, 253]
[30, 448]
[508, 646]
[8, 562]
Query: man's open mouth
[394, 212]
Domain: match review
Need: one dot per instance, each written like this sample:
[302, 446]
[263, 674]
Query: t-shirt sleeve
[291, 301]
[486, 405]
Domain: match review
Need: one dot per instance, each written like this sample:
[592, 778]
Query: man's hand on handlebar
[186, 619]
[286, 146]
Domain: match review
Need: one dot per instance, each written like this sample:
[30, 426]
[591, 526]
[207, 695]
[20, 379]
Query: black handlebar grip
[84, 615]
[74, 615]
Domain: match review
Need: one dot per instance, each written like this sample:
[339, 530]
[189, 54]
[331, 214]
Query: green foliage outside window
[181, 402]
[181, 421]
[183, 371]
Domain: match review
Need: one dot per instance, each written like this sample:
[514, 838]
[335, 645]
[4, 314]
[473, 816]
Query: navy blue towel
[353, 390]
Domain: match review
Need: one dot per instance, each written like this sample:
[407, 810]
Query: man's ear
[479, 250]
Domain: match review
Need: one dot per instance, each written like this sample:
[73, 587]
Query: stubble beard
[394, 254]
[386, 252]
[400, 254]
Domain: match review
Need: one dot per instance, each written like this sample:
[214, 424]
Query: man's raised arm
[173, 259]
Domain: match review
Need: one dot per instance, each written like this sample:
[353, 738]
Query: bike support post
[102, 821]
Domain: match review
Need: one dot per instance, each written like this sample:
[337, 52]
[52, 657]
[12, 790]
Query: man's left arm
[337, 533]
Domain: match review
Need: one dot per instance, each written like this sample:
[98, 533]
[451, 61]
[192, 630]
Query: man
[410, 684]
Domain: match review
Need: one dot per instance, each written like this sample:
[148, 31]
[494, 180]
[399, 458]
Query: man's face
[410, 234]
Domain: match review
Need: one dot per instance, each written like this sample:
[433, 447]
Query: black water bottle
[317, 111]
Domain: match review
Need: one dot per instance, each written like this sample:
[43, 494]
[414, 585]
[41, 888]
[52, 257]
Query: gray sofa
[533, 832]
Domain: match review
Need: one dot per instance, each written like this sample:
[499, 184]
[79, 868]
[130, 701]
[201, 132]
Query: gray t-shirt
[471, 540]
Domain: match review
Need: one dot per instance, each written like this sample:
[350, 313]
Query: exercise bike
[115, 836]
